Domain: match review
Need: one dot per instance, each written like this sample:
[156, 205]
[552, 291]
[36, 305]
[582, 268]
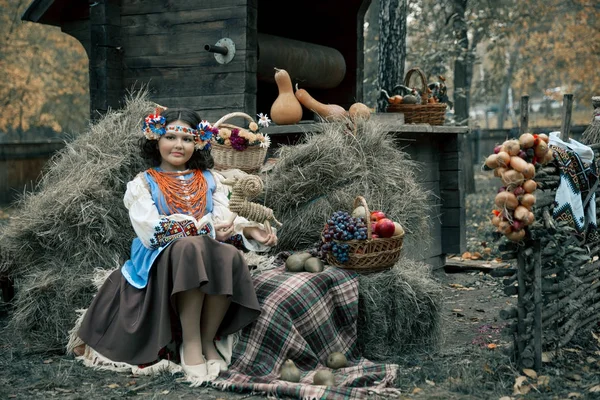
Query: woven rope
[248, 187]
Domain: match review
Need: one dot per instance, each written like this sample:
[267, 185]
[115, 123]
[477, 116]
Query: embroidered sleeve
[155, 230]
[221, 212]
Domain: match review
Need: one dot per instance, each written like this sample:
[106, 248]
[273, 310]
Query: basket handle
[232, 115]
[359, 200]
[424, 95]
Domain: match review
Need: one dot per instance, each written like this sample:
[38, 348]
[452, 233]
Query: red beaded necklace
[182, 195]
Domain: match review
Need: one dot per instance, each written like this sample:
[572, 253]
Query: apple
[377, 215]
[385, 228]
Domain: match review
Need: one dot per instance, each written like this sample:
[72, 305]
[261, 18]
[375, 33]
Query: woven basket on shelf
[226, 157]
[424, 113]
[371, 254]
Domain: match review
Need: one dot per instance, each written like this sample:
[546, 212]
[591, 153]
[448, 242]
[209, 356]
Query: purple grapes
[341, 226]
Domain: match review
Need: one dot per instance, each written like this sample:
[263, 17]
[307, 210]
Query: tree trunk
[462, 80]
[512, 59]
[392, 45]
[371, 59]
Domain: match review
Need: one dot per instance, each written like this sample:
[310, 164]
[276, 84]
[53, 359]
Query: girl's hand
[268, 239]
[223, 231]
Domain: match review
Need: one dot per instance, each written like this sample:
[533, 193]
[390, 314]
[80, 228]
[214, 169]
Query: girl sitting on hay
[185, 282]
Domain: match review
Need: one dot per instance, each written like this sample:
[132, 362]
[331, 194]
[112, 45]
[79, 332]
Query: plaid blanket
[305, 317]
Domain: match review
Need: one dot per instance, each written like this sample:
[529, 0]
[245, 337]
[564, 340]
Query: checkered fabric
[305, 317]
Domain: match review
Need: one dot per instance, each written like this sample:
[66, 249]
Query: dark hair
[201, 159]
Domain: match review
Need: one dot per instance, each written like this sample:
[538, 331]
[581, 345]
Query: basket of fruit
[363, 242]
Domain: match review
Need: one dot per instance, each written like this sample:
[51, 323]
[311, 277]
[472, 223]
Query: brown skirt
[133, 325]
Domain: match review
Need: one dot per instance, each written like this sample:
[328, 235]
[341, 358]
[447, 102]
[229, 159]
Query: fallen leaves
[530, 380]
[458, 286]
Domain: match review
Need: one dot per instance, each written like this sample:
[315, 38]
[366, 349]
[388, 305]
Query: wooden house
[219, 56]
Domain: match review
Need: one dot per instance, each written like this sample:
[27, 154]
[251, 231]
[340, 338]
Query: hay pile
[399, 311]
[327, 170]
[74, 222]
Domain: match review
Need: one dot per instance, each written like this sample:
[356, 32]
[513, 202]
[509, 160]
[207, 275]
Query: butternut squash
[286, 109]
[329, 112]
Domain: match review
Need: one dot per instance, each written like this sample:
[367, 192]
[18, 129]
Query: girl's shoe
[219, 363]
[194, 372]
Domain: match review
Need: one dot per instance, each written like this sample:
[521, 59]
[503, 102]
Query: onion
[517, 163]
[526, 140]
[496, 220]
[504, 227]
[548, 157]
[529, 186]
[506, 200]
[519, 191]
[501, 189]
[541, 149]
[529, 171]
[497, 149]
[515, 236]
[503, 159]
[512, 179]
[492, 161]
[528, 200]
[517, 225]
[521, 213]
[499, 171]
[543, 137]
[522, 155]
[512, 147]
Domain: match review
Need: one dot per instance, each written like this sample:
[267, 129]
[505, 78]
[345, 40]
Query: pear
[295, 262]
[324, 377]
[289, 372]
[313, 264]
[337, 360]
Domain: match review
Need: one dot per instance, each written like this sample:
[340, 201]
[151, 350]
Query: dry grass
[73, 222]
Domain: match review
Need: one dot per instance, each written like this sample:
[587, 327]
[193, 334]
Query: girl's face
[176, 148]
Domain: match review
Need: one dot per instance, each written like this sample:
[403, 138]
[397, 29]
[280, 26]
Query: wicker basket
[371, 254]
[226, 157]
[424, 113]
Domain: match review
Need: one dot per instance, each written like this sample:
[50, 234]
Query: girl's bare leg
[213, 313]
[189, 304]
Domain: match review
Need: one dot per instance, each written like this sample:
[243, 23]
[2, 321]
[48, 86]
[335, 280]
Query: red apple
[377, 215]
[385, 228]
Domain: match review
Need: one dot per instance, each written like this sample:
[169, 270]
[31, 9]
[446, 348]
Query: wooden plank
[139, 46]
[105, 35]
[452, 180]
[132, 7]
[450, 161]
[567, 110]
[198, 20]
[458, 265]
[524, 126]
[436, 262]
[105, 12]
[455, 217]
[454, 240]
[452, 198]
[176, 83]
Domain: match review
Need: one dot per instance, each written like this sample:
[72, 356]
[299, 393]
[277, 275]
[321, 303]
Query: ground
[470, 363]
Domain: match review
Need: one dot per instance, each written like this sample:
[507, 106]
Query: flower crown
[154, 127]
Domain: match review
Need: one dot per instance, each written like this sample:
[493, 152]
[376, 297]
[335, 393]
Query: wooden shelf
[385, 120]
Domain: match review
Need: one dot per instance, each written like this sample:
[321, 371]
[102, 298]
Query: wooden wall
[21, 165]
[164, 43]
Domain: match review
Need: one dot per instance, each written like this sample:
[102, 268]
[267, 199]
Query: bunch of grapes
[342, 226]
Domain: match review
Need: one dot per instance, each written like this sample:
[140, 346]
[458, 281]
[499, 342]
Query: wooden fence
[555, 277]
[21, 164]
